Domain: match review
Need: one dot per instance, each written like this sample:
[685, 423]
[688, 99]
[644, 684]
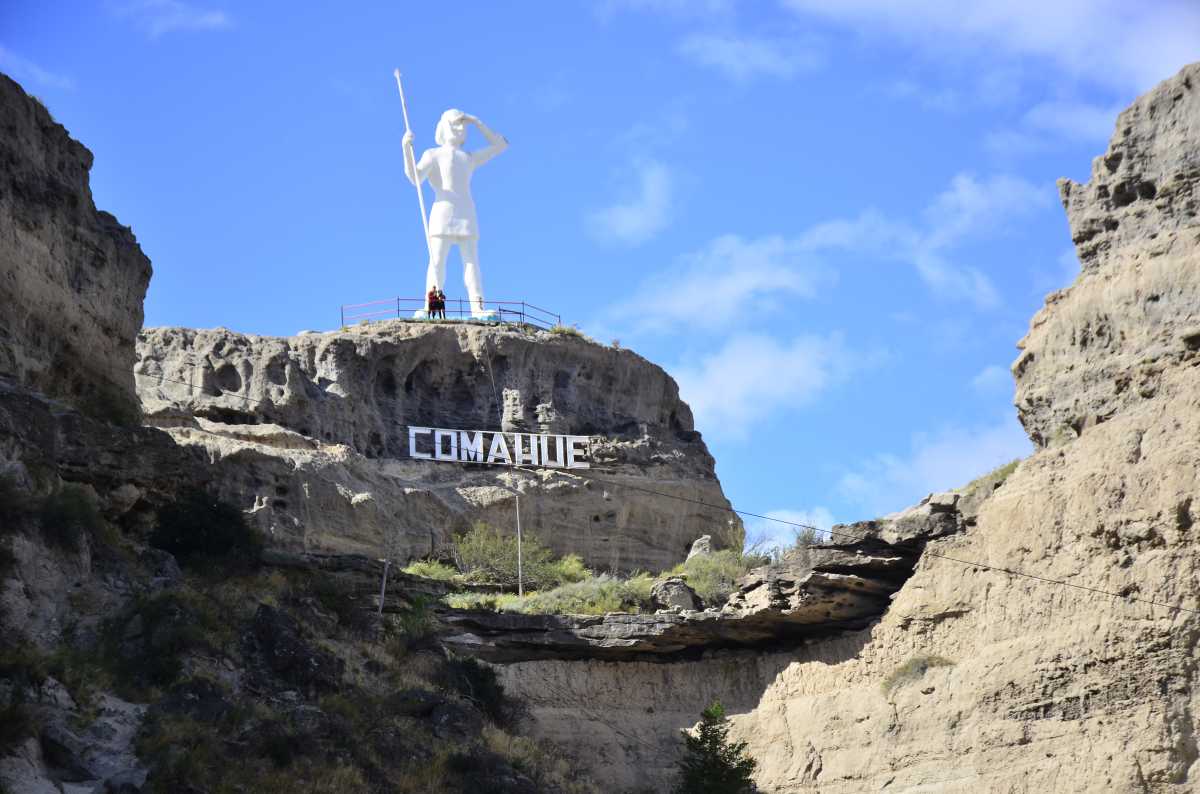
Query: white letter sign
[490, 446]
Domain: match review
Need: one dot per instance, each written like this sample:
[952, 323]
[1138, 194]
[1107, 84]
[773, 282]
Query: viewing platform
[459, 309]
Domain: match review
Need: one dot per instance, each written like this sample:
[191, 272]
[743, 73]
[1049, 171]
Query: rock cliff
[815, 592]
[977, 679]
[310, 433]
[68, 272]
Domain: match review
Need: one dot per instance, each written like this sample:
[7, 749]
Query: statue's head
[451, 129]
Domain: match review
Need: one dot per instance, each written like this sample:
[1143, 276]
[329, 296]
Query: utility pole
[383, 583]
[520, 576]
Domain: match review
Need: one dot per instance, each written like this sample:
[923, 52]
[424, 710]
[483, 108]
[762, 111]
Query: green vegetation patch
[488, 556]
[713, 575]
[711, 764]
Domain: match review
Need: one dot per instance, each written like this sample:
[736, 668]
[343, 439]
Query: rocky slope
[310, 433]
[68, 272]
[126, 668]
[976, 679]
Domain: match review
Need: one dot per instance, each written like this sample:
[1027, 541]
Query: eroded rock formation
[310, 433]
[72, 278]
[976, 679]
[816, 592]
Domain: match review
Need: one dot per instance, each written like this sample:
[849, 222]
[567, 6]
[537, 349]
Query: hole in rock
[228, 378]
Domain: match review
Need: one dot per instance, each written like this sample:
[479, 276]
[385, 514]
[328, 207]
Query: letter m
[470, 448]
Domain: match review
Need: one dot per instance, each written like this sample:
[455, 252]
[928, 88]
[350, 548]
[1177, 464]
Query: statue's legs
[469, 248]
[435, 275]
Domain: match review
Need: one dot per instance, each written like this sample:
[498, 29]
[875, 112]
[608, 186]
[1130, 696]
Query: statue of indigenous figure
[452, 219]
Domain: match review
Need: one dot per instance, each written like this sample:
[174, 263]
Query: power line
[737, 511]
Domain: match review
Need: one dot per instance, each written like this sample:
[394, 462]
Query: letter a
[499, 450]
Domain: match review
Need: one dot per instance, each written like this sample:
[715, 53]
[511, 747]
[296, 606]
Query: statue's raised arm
[496, 142]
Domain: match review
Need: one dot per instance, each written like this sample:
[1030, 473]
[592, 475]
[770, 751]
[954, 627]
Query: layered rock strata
[977, 678]
[68, 272]
[310, 434]
[1109, 341]
[814, 592]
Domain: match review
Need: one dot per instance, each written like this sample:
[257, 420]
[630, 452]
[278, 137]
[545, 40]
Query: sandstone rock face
[814, 592]
[977, 679]
[310, 434]
[1105, 343]
[70, 275]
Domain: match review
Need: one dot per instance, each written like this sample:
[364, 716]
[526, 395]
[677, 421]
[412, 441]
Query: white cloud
[1127, 46]
[967, 208]
[1075, 121]
[727, 279]
[766, 533]
[741, 57]
[939, 461]
[641, 216]
[158, 17]
[1047, 123]
[992, 379]
[26, 71]
[754, 375]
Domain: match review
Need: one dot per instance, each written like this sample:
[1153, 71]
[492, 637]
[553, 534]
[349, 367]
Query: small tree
[711, 764]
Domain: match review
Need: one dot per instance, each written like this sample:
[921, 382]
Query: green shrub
[711, 764]
[417, 621]
[433, 569]
[496, 602]
[67, 515]
[712, 575]
[489, 556]
[204, 532]
[595, 596]
[912, 670]
[566, 330]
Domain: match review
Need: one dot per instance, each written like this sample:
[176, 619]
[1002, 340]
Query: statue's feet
[483, 314]
[420, 314]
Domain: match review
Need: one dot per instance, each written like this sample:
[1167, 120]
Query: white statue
[452, 219]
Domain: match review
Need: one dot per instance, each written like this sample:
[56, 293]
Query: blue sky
[830, 220]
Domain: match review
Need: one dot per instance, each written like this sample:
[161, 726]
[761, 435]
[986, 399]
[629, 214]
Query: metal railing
[456, 308]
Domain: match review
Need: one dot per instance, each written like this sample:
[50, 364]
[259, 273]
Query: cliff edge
[310, 434]
[68, 272]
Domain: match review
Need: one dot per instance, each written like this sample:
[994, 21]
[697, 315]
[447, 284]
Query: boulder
[674, 593]
[701, 545]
